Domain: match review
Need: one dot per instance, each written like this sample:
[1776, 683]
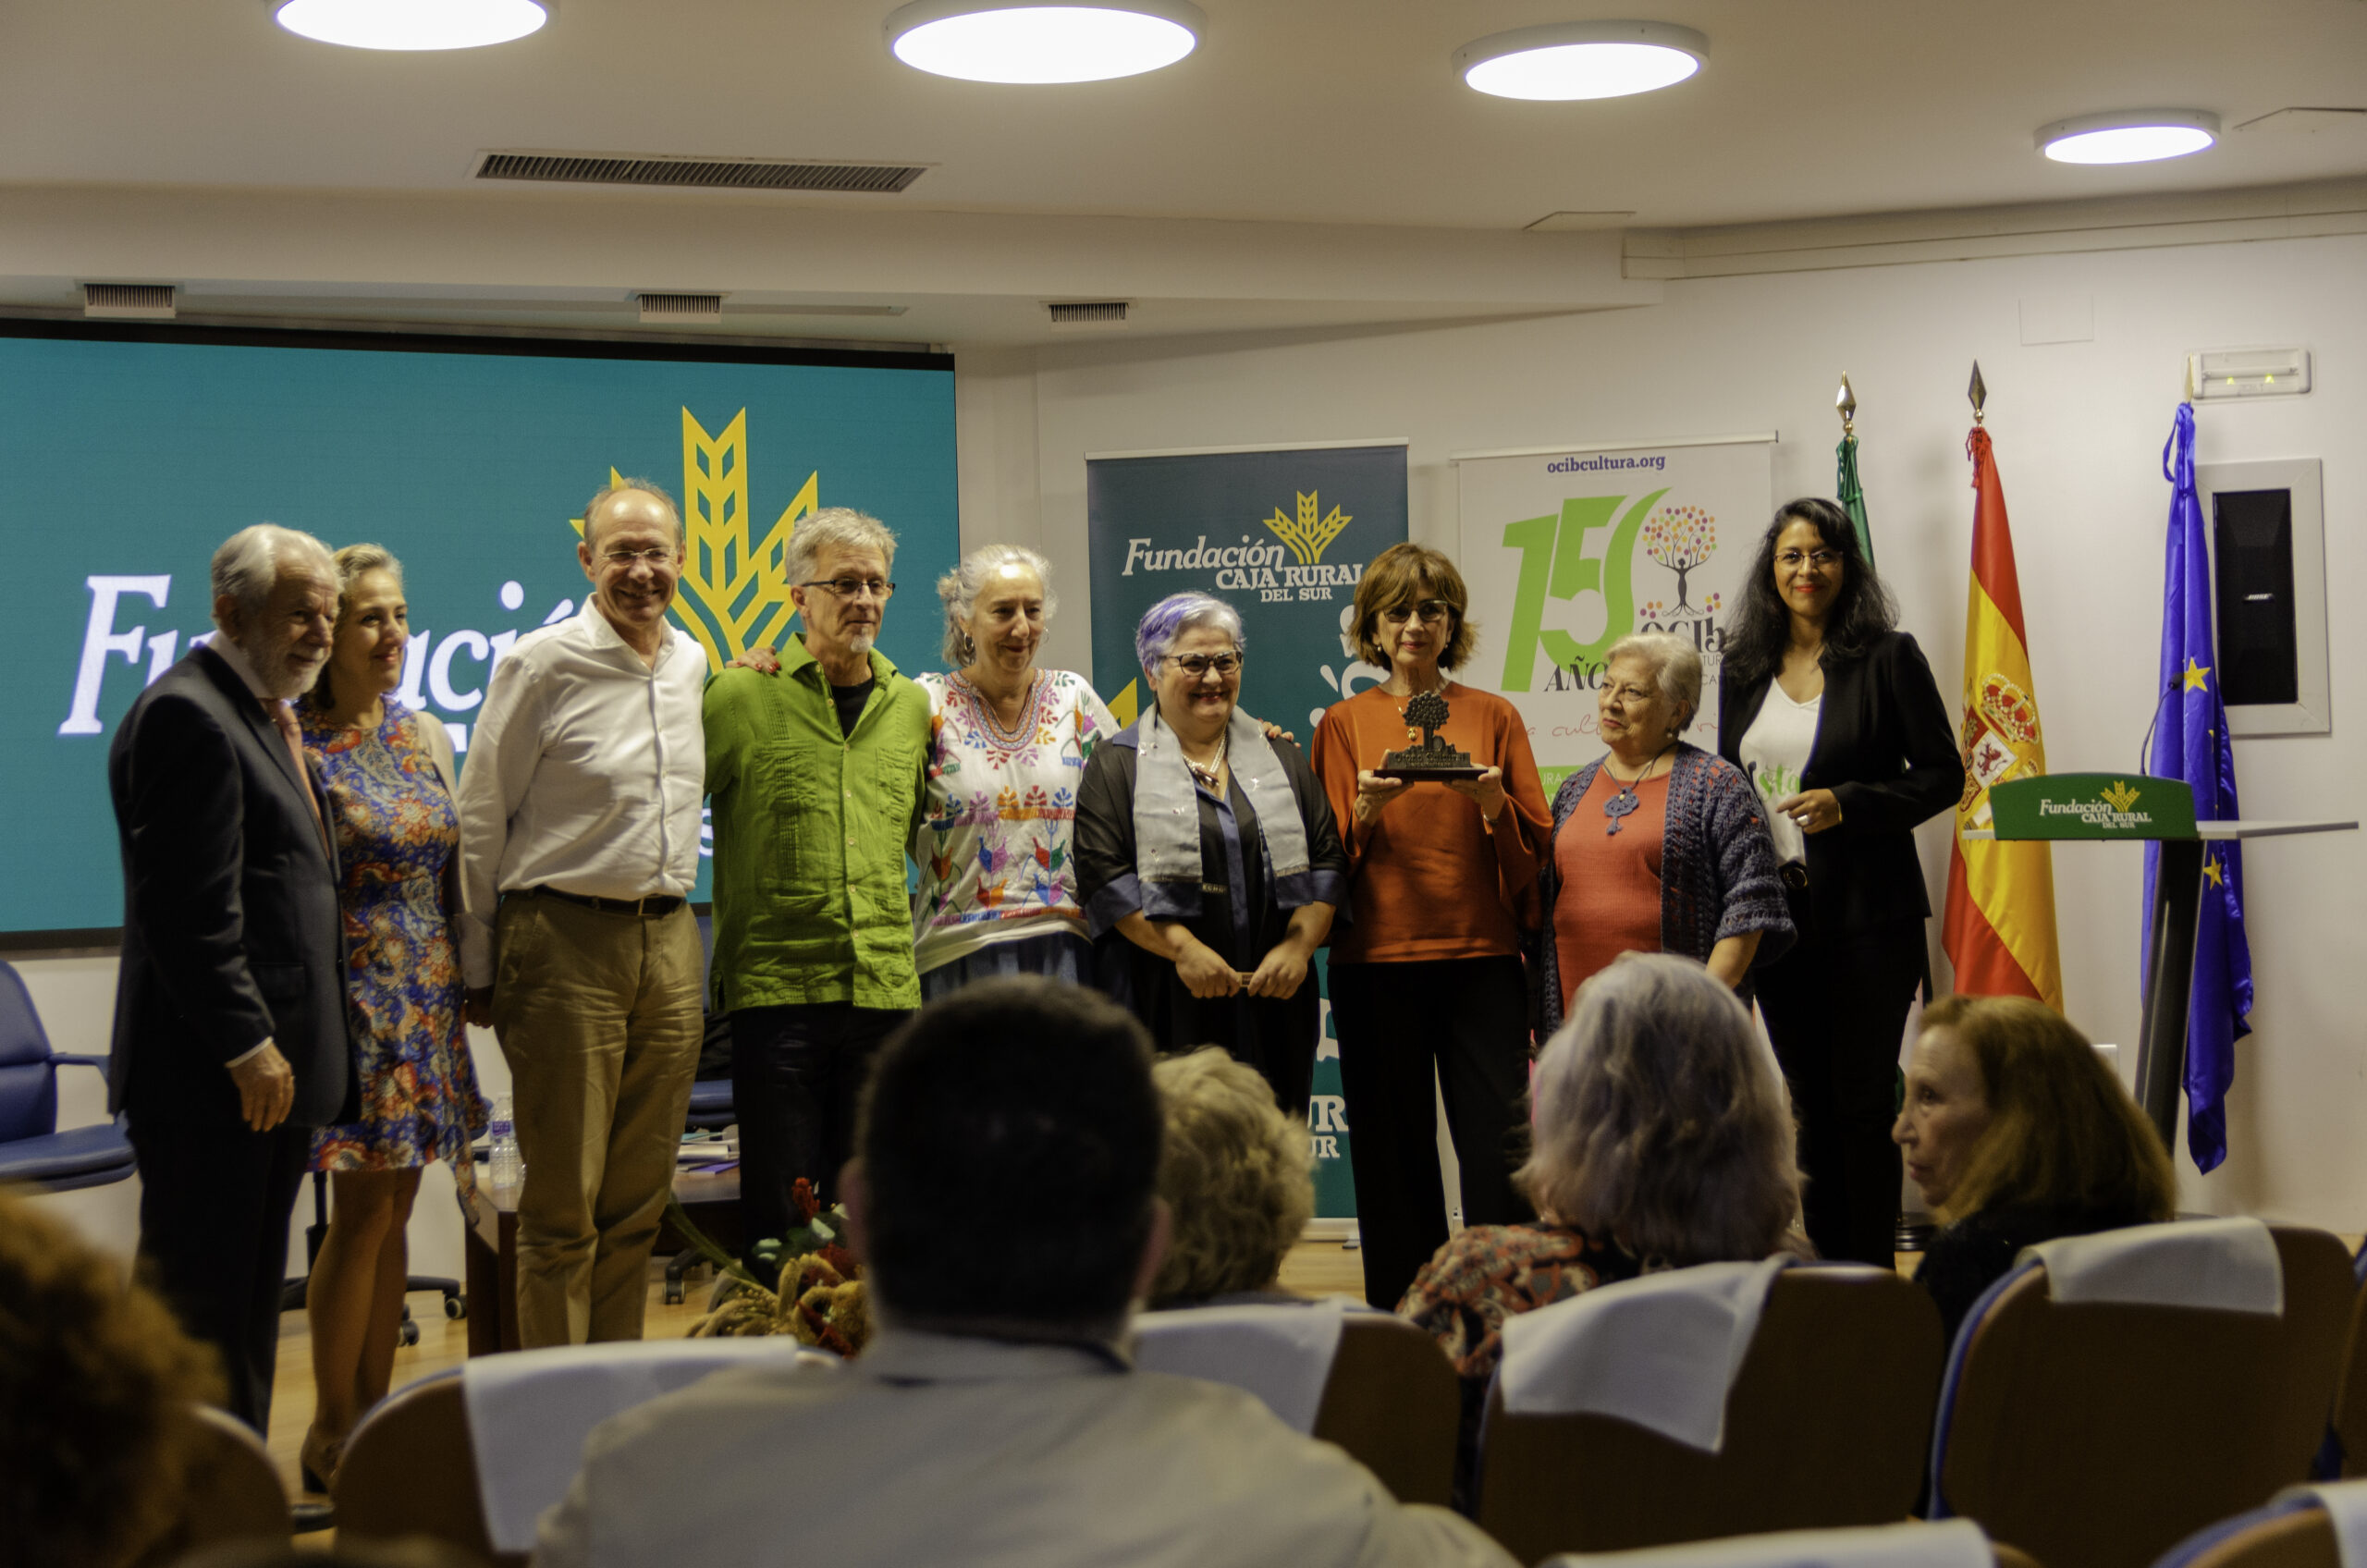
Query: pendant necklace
[1624, 801]
[1207, 776]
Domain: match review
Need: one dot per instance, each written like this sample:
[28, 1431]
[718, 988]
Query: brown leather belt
[655, 904]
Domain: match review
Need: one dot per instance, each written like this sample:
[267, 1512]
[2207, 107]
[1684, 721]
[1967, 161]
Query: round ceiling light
[1059, 42]
[412, 24]
[1582, 60]
[2132, 136]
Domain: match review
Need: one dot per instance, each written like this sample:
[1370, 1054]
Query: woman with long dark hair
[1833, 712]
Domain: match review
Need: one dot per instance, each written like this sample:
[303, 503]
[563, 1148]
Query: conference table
[711, 1200]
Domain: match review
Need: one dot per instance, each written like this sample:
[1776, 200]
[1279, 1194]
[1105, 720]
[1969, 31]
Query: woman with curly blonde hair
[95, 1384]
[1237, 1175]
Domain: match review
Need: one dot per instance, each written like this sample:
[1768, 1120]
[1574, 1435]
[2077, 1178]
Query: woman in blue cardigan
[1658, 845]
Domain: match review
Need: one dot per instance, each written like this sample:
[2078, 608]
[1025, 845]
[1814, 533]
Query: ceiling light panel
[1043, 44]
[1566, 61]
[410, 24]
[2130, 136]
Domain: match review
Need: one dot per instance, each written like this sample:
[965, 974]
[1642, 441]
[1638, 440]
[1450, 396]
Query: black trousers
[1835, 1008]
[213, 1207]
[1467, 1020]
[797, 1074]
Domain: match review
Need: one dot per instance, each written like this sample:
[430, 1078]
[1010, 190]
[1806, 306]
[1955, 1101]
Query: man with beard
[817, 773]
[579, 844]
[230, 1040]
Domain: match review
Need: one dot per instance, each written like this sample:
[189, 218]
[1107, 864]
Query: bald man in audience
[1003, 1200]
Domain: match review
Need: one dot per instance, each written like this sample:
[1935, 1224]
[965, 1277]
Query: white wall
[2078, 430]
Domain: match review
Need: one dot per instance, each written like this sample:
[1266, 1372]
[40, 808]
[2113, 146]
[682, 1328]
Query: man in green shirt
[816, 778]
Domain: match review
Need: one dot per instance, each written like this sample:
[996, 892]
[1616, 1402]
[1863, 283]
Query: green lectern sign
[2093, 805]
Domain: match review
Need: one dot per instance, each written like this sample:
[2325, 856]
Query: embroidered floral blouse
[1487, 1273]
[994, 843]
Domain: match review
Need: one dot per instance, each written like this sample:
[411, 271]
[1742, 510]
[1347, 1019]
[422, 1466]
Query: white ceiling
[1325, 112]
[1332, 111]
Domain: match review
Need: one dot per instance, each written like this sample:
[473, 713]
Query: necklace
[1207, 775]
[1020, 735]
[1624, 801]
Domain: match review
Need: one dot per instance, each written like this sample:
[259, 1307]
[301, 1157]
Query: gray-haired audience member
[580, 841]
[1661, 1137]
[817, 773]
[1003, 1204]
[231, 1035]
[1008, 743]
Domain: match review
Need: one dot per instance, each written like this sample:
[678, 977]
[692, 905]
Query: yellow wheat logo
[2120, 797]
[1305, 534]
[734, 592]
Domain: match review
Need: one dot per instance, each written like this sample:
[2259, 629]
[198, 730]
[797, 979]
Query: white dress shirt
[985, 1454]
[585, 771]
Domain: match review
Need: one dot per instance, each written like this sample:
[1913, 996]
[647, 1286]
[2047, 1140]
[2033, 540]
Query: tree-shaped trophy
[1434, 758]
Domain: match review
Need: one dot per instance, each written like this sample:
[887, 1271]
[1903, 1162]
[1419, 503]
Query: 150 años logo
[733, 595]
[1557, 563]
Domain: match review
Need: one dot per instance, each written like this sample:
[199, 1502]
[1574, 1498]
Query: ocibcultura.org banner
[1565, 552]
[1282, 534]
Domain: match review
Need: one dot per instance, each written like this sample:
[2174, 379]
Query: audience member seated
[95, 1377]
[1660, 1137]
[2016, 1132]
[1003, 1199]
[1238, 1178]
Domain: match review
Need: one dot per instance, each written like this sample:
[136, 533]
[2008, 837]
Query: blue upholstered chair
[32, 1148]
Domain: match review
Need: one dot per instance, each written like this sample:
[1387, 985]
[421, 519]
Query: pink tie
[284, 715]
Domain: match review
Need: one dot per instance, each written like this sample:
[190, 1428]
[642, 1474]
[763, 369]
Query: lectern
[2104, 805]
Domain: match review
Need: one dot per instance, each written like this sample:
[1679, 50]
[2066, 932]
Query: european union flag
[2190, 743]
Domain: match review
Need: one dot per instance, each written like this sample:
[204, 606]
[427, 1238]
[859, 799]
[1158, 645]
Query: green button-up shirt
[810, 829]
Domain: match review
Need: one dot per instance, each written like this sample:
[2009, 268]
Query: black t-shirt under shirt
[851, 701]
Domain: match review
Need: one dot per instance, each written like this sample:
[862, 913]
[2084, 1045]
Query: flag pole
[1977, 391]
[1845, 487]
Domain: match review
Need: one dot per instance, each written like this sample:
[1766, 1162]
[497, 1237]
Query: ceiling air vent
[129, 301]
[717, 174]
[675, 309]
[1089, 312]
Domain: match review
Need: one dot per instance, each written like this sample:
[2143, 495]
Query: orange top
[1610, 902]
[1427, 878]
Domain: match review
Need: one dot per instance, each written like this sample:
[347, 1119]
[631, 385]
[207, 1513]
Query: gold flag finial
[1845, 401]
[1977, 391]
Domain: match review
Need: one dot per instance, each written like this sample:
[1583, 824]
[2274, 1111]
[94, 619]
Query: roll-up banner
[1566, 550]
[1282, 534]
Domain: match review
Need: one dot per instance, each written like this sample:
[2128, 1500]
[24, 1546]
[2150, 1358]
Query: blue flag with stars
[2190, 743]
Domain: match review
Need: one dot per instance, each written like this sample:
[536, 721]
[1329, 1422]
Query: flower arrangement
[817, 1298]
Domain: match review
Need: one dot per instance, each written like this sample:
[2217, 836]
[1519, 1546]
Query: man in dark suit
[230, 1036]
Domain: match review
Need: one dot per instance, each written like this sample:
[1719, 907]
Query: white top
[585, 772]
[931, 1448]
[1774, 753]
[995, 841]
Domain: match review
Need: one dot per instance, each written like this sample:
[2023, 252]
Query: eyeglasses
[855, 587]
[1823, 560]
[1196, 666]
[631, 559]
[1427, 610]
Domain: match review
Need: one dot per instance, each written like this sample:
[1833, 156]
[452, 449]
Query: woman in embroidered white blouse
[1009, 744]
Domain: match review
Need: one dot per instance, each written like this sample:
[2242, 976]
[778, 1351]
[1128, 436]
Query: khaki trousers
[599, 1016]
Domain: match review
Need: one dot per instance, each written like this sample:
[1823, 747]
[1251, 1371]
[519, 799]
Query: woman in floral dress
[1009, 744]
[388, 774]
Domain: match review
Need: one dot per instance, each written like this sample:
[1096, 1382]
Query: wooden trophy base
[1435, 765]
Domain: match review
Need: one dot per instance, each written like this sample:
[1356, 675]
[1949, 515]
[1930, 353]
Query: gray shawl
[1167, 812]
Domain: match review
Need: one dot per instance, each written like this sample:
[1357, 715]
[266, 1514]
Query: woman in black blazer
[1833, 713]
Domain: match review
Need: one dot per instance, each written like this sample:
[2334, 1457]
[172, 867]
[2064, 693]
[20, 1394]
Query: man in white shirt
[578, 845]
[1003, 1202]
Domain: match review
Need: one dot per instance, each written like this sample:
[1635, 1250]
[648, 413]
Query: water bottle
[508, 1168]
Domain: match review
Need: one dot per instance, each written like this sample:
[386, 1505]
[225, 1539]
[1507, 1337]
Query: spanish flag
[2000, 926]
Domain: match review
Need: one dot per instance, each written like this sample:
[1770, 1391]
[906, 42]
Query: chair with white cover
[1370, 1382]
[1725, 1399]
[233, 1492]
[473, 1457]
[2346, 1454]
[1957, 1544]
[2116, 1393]
[2315, 1527]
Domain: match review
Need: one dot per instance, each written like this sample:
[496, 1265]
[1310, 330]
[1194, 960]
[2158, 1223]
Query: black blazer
[1885, 748]
[231, 932]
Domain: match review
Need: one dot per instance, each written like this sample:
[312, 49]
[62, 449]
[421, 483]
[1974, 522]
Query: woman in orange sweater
[1425, 964]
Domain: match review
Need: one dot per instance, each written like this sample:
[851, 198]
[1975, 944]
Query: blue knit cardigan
[1717, 868]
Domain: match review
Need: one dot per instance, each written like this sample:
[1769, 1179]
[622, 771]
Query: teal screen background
[135, 453]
